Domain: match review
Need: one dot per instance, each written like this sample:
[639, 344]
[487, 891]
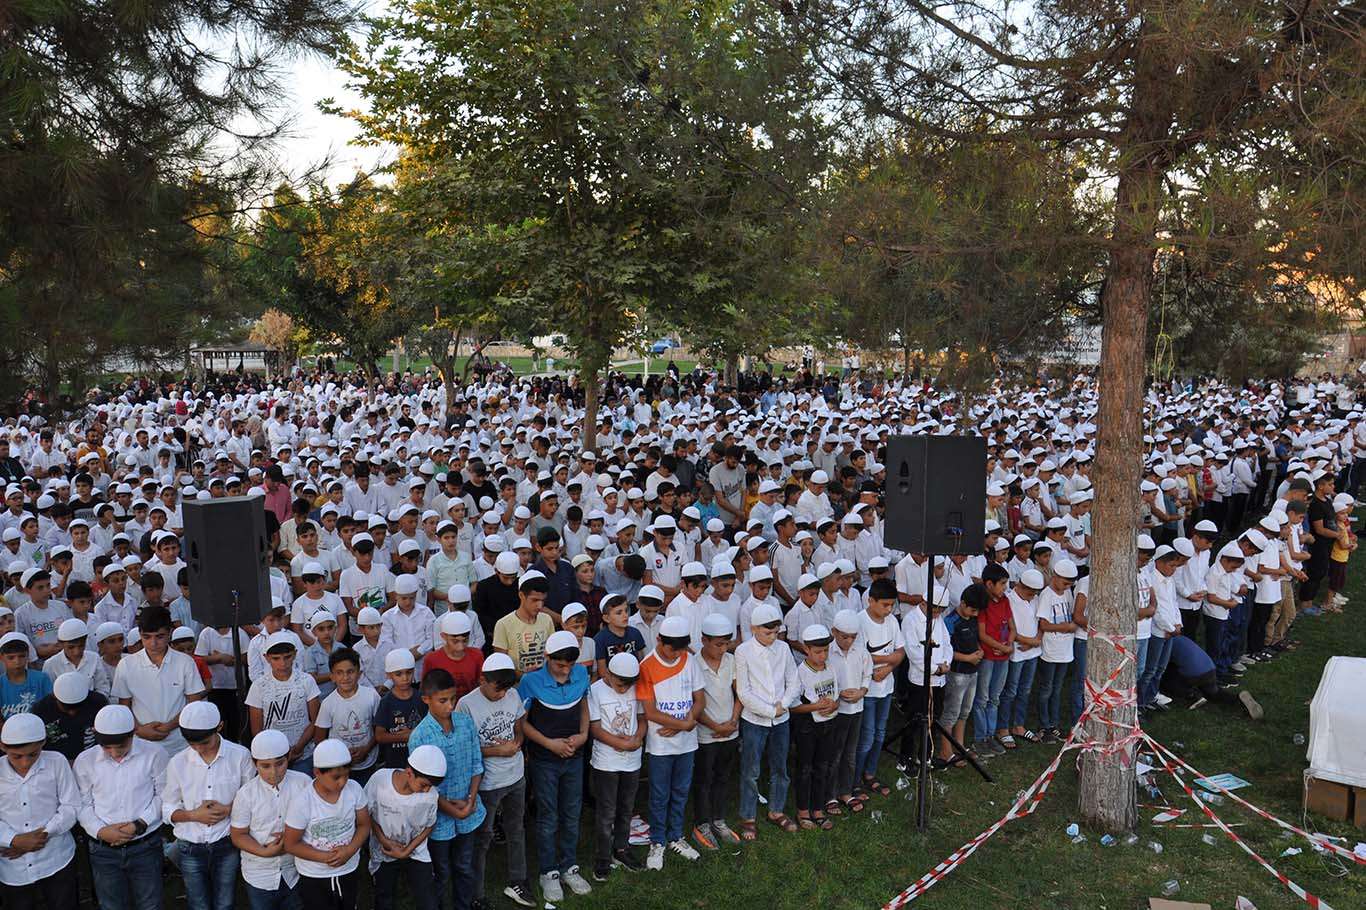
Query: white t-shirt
[401, 817]
[222, 676]
[284, 704]
[326, 826]
[1055, 608]
[496, 722]
[881, 639]
[672, 687]
[815, 685]
[304, 607]
[366, 589]
[618, 712]
[1026, 623]
[352, 720]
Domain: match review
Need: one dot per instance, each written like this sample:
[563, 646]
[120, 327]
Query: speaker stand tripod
[925, 746]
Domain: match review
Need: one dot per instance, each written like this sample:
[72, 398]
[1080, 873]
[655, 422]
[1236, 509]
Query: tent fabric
[1337, 723]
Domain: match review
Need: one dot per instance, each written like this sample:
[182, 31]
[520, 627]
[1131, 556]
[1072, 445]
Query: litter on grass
[1225, 781]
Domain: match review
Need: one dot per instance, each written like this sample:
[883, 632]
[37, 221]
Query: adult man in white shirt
[157, 682]
[121, 778]
[201, 783]
[38, 804]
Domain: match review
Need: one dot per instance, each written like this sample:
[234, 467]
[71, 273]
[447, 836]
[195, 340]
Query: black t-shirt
[70, 734]
[1322, 510]
[395, 715]
[965, 640]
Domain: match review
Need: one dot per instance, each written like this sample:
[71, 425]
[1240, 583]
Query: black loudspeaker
[936, 494]
[227, 550]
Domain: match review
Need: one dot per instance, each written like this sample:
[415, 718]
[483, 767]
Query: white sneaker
[655, 860]
[1340, 599]
[550, 887]
[1240, 665]
[1163, 699]
[685, 850]
[576, 882]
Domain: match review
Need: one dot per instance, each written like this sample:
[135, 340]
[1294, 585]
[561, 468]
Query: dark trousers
[915, 730]
[225, 700]
[452, 869]
[1256, 630]
[713, 777]
[614, 792]
[846, 751]
[56, 892]
[421, 883]
[1214, 643]
[337, 893]
[1237, 508]
[815, 762]
[1190, 623]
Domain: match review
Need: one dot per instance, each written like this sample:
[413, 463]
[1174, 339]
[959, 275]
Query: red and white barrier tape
[1165, 755]
[1107, 699]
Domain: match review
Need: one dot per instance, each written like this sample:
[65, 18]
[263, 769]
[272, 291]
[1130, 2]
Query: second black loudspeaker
[936, 494]
[227, 550]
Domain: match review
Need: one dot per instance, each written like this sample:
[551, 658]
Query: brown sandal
[853, 804]
[807, 824]
[779, 820]
[748, 830]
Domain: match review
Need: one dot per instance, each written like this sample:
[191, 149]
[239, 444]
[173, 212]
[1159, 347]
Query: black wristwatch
[140, 827]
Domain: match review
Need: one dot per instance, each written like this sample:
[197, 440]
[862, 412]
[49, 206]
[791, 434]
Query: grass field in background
[523, 365]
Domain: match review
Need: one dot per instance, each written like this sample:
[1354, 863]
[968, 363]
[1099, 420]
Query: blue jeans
[1015, 696]
[127, 878]
[210, 874]
[1214, 643]
[282, 898]
[557, 785]
[1051, 678]
[991, 681]
[1159, 652]
[1078, 686]
[670, 781]
[874, 731]
[452, 869]
[755, 741]
[1235, 631]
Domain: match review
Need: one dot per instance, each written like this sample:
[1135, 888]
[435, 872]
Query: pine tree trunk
[1107, 801]
[588, 375]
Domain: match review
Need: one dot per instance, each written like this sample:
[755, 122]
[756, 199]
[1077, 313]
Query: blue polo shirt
[463, 761]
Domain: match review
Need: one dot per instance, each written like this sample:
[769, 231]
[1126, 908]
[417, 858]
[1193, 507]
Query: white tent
[1337, 723]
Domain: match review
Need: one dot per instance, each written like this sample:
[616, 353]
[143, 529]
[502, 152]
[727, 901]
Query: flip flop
[1008, 741]
[1029, 736]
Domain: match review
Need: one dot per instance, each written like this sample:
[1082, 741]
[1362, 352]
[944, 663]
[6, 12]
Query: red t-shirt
[995, 621]
[465, 672]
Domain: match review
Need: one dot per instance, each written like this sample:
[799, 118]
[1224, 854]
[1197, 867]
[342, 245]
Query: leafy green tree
[576, 134]
[119, 135]
[928, 245]
[1146, 96]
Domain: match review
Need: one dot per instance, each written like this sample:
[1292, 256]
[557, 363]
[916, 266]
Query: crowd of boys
[480, 624]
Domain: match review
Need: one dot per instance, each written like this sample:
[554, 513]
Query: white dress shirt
[114, 792]
[259, 809]
[190, 782]
[765, 677]
[158, 693]
[46, 798]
